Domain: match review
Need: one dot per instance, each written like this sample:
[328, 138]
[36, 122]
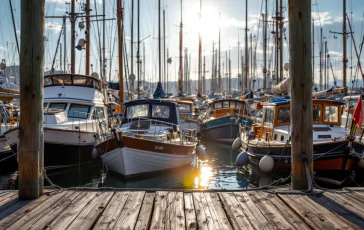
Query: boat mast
[219, 73]
[60, 56]
[132, 76]
[64, 45]
[238, 57]
[104, 40]
[281, 41]
[213, 67]
[321, 80]
[204, 77]
[251, 62]
[138, 52]
[325, 69]
[88, 40]
[199, 86]
[277, 44]
[120, 49]
[229, 72]
[164, 49]
[265, 24]
[14, 27]
[167, 71]
[344, 43]
[159, 42]
[246, 47]
[73, 21]
[180, 54]
[313, 51]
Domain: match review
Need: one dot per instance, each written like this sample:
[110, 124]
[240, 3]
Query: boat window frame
[161, 106]
[87, 113]
[94, 83]
[338, 114]
[131, 106]
[65, 108]
[94, 112]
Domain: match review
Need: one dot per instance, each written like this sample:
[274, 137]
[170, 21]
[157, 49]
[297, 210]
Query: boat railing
[184, 136]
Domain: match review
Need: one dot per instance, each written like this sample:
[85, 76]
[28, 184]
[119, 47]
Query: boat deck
[177, 209]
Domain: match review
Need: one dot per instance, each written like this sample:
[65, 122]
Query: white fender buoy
[242, 159]
[266, 164]
[236, 144]
[201, 153]
[95, 153]
[361, 164]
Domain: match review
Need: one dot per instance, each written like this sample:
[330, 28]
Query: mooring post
[31, 146]
[301, 89]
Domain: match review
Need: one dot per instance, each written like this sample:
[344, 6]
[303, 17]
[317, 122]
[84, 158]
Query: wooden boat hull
[140, 156]
[336, 160]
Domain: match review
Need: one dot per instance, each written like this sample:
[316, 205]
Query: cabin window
[331, 113]
[82, 81]
[99, 113]
[275, 137]
[226, 104]
[218, 105]
[316, 112]
[160, 111]
[79, 111]
[60, 106]
[282, 138]
[62, 80]
[47, 81]
[233, 103]
[184, 108]
[45, 105]
[137, 111]
[284, 115]
[239, 105]
[269, 114]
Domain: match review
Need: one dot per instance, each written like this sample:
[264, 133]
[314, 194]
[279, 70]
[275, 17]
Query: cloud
[336, 54]
[321, 18]
[2, 48]
[53, 26]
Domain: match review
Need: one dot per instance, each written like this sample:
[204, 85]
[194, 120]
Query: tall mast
[189, 75]
[246, 46]
[73, 21]
[238, 56]
[164, 49]
[321, 80]
[14, 28]
[229, 72]
[180, 54]
[199, 86]
[64, 45]
[213, 67]
[251, 62]
[159, 42]
[60, 56]
[204, 77]
[220, 86]
[167, 71]
[103, 40]
[325, 69]
[313, 51]
[227, 69]
[132, 76]
[144, 64]
[281, 41]
[138, 52]
[120, 49]
[265, 23]
[88, 41]
[344, 43]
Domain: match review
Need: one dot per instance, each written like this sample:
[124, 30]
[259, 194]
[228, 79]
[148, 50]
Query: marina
[99, 130]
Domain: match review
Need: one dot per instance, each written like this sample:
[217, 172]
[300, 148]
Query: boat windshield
[60, 106]
[137, 111]
[78, 111]
[331, 113]
[184, 108]
[284, 115]
[160, 111]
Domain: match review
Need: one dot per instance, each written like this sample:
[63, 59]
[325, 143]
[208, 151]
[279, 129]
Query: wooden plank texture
[145, 213]
[276, 211]
[234, 211]
[129, 215]
[112, 212]
[190, 212]
[175, 215]
[314, 214]
[218, 213]
[203, 216]
[90, 214]
[160, 205]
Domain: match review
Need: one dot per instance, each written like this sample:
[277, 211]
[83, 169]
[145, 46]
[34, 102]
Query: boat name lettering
[159, 147]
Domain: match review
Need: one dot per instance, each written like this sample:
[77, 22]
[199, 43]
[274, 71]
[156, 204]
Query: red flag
[358, 114]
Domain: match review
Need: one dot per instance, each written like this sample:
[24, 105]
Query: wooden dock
[102, 209]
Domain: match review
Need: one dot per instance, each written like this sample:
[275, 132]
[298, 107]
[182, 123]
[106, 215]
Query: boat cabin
[276, 122]
[185, 108]
[161, 110]
[225, 107]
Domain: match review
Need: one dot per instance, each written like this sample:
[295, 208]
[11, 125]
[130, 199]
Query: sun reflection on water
[203, 179]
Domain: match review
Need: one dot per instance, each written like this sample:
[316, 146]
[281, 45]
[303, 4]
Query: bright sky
[326, 14]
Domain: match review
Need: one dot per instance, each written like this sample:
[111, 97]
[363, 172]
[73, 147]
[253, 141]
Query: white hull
[57, 136]
[129, 162]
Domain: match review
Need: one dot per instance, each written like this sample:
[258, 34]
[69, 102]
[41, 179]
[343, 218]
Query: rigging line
[99, 36]
[112, 55]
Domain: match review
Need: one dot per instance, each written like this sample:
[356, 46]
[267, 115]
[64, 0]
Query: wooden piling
[301, 91]
[31, 146]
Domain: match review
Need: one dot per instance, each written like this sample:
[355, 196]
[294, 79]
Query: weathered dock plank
[112, 212]
[145, 213]
[276, 211]
[90, 214]
[105, 209]
[190, 213]
[313, 213]
[129, 214]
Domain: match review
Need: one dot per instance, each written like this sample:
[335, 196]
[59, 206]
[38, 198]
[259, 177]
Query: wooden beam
[301, 89]
[31, 99]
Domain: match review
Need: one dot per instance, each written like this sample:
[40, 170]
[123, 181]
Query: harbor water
[219, 172]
